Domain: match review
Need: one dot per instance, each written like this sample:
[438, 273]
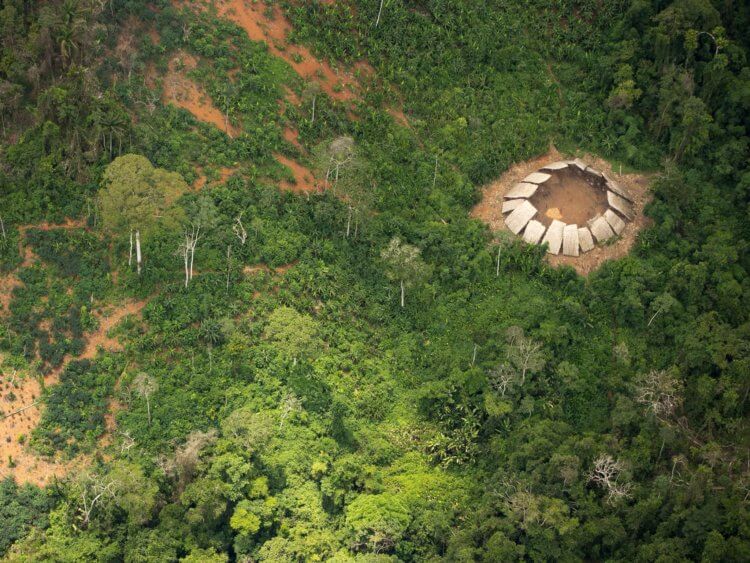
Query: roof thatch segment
[533, 232]
[554, 236]
[601, 229]
[585, 239]
[617, 224]
[570, 240]
[518, 218]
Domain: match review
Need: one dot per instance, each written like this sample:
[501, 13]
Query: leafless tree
[138, 250]
[127, 442]
[239, 229]
[93, 490]
[380, 11]
[186, 249]
[2, 230]
[660, 391]
[183, 464]
[289, 405]
[501, 378]
[340, 152]
[146, 386]
[151, 97]
[607, 473]
[524, 353]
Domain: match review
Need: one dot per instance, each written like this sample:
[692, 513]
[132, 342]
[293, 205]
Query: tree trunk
[148, 408]
[192, 257]
[185, 258]
[380, 11]
[497, 268]
[312, 120]
[229, 263]
[402, 293]
[349, 222]
[138, 250]
[130, 255]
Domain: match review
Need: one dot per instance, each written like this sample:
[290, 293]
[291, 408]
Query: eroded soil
[20, 391]
[183, 92]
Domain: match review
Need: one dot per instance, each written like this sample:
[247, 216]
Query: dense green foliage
[508, 411]
[20, 508]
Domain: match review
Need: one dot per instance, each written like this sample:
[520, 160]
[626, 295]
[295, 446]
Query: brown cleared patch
[570, 197]
[304, 180]
[181, 91]
[153, 34]
[200, 182]
[291, 97]
[399, 116]
[8, 282]
[489, 208]
[274, 30]
[292, 136]
[225, 172]
[28, 467]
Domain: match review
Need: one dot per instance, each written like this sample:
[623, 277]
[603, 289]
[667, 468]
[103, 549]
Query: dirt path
[489, 209]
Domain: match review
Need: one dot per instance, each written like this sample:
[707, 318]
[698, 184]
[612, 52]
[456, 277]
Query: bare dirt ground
[179, 90]
[489, 208]
[304, 179]
[10, 281]
[224, 175]
[26, 466]
[267, 23]
[568, 197]
[20, 391]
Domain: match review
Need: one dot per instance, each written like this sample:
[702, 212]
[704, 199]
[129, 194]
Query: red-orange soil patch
[27, 466]
[399, 116]
[15, 458]
[8, 282]
[179, 90]
[291, 97]
[569, 197]
[292, 136]
[225, 172]
[252, 17]
[304, 180]
[489, 209]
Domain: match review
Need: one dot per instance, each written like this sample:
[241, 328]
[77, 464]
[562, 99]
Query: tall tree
[146, 386]
[404, 264]
[135, 197]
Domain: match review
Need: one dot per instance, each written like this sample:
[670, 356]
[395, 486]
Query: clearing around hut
[568, 196]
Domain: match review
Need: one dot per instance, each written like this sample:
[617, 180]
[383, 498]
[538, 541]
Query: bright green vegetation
[508, 411]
